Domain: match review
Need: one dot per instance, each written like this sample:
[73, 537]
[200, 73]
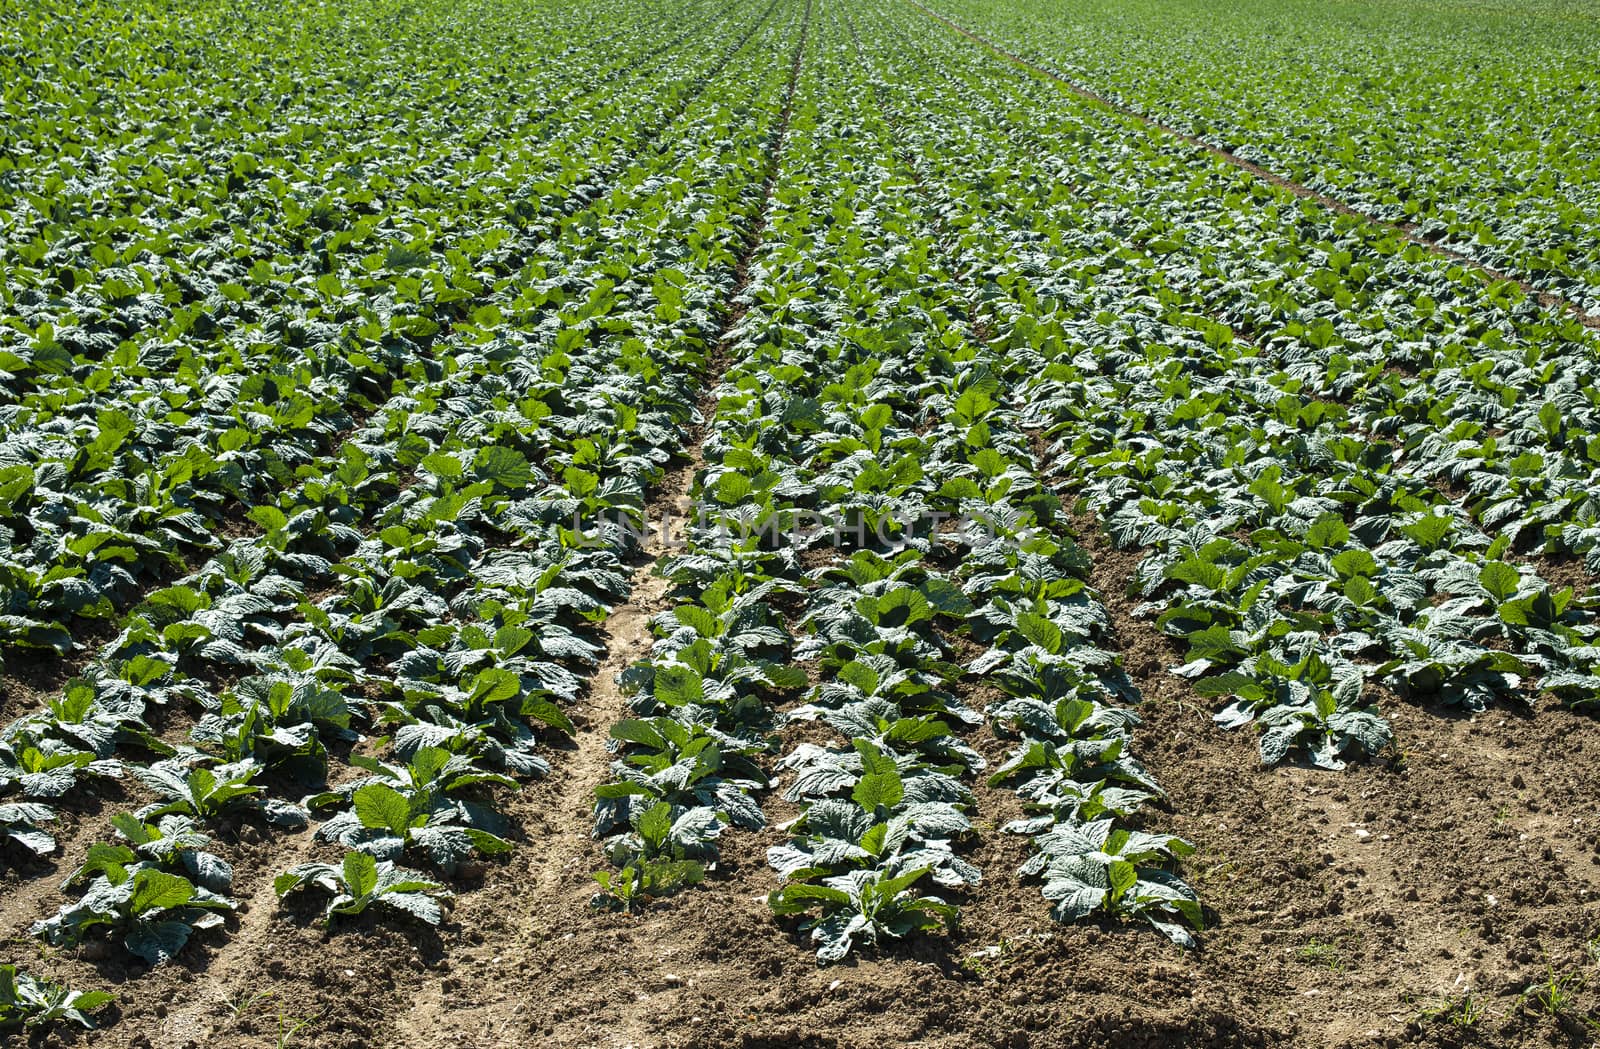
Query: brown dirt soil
[32, 677]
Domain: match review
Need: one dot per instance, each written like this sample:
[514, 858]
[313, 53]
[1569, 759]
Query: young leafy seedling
[361, 882]
[151, 911]
[26, 1001]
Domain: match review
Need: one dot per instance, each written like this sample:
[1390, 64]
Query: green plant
[643, 879]
[19, 824]
[244, 1003]
[387, 823]
[26, 1001]
[1321, 953]
[208, 792]
[1098, 866]
[861, 907]
[981, 962]
[1464, 1010]
[152, 912]
[172, 845]
[361, 882]
[1554, 995]
[289, 1027]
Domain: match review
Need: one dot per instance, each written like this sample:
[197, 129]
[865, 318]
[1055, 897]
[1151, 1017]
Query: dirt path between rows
[551, 874]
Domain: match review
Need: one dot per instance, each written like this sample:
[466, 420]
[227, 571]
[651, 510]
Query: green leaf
[494, 686]
[157, 942]
[1354, 563]
[1329, 530]
[506, 467]
[110, 860]
[511, 640]
[677, 685]
[155, 891]
[1500, 580]
[87, 1001]
[547, 713]
[443, 466]
[1040, 631]
[655, 823]
[879, 789]
[621, 790]
[665, 877]
[1214, 643]
[1199, 572]
[700, 620]
[798, 897]
[269, 518]
[15, 482]
[381, 807]
[1429, 532]
[1359, 590]
[902, 608]
[360, 873]
[946, 598]
[632, 730]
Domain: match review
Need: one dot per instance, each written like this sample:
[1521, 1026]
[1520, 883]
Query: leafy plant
[1100, 867]
[27, 1001]
[153, 913]
[173, 845]
[361, 882]
[641, 880]
[208, 792]
[387, 823]
[1555, 995]
[863, 907]
[42, 767]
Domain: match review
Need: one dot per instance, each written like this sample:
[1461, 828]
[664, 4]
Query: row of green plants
[687, 762]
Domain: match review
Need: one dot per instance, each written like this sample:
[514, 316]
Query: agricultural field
[1473, 123]
[825, 523]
